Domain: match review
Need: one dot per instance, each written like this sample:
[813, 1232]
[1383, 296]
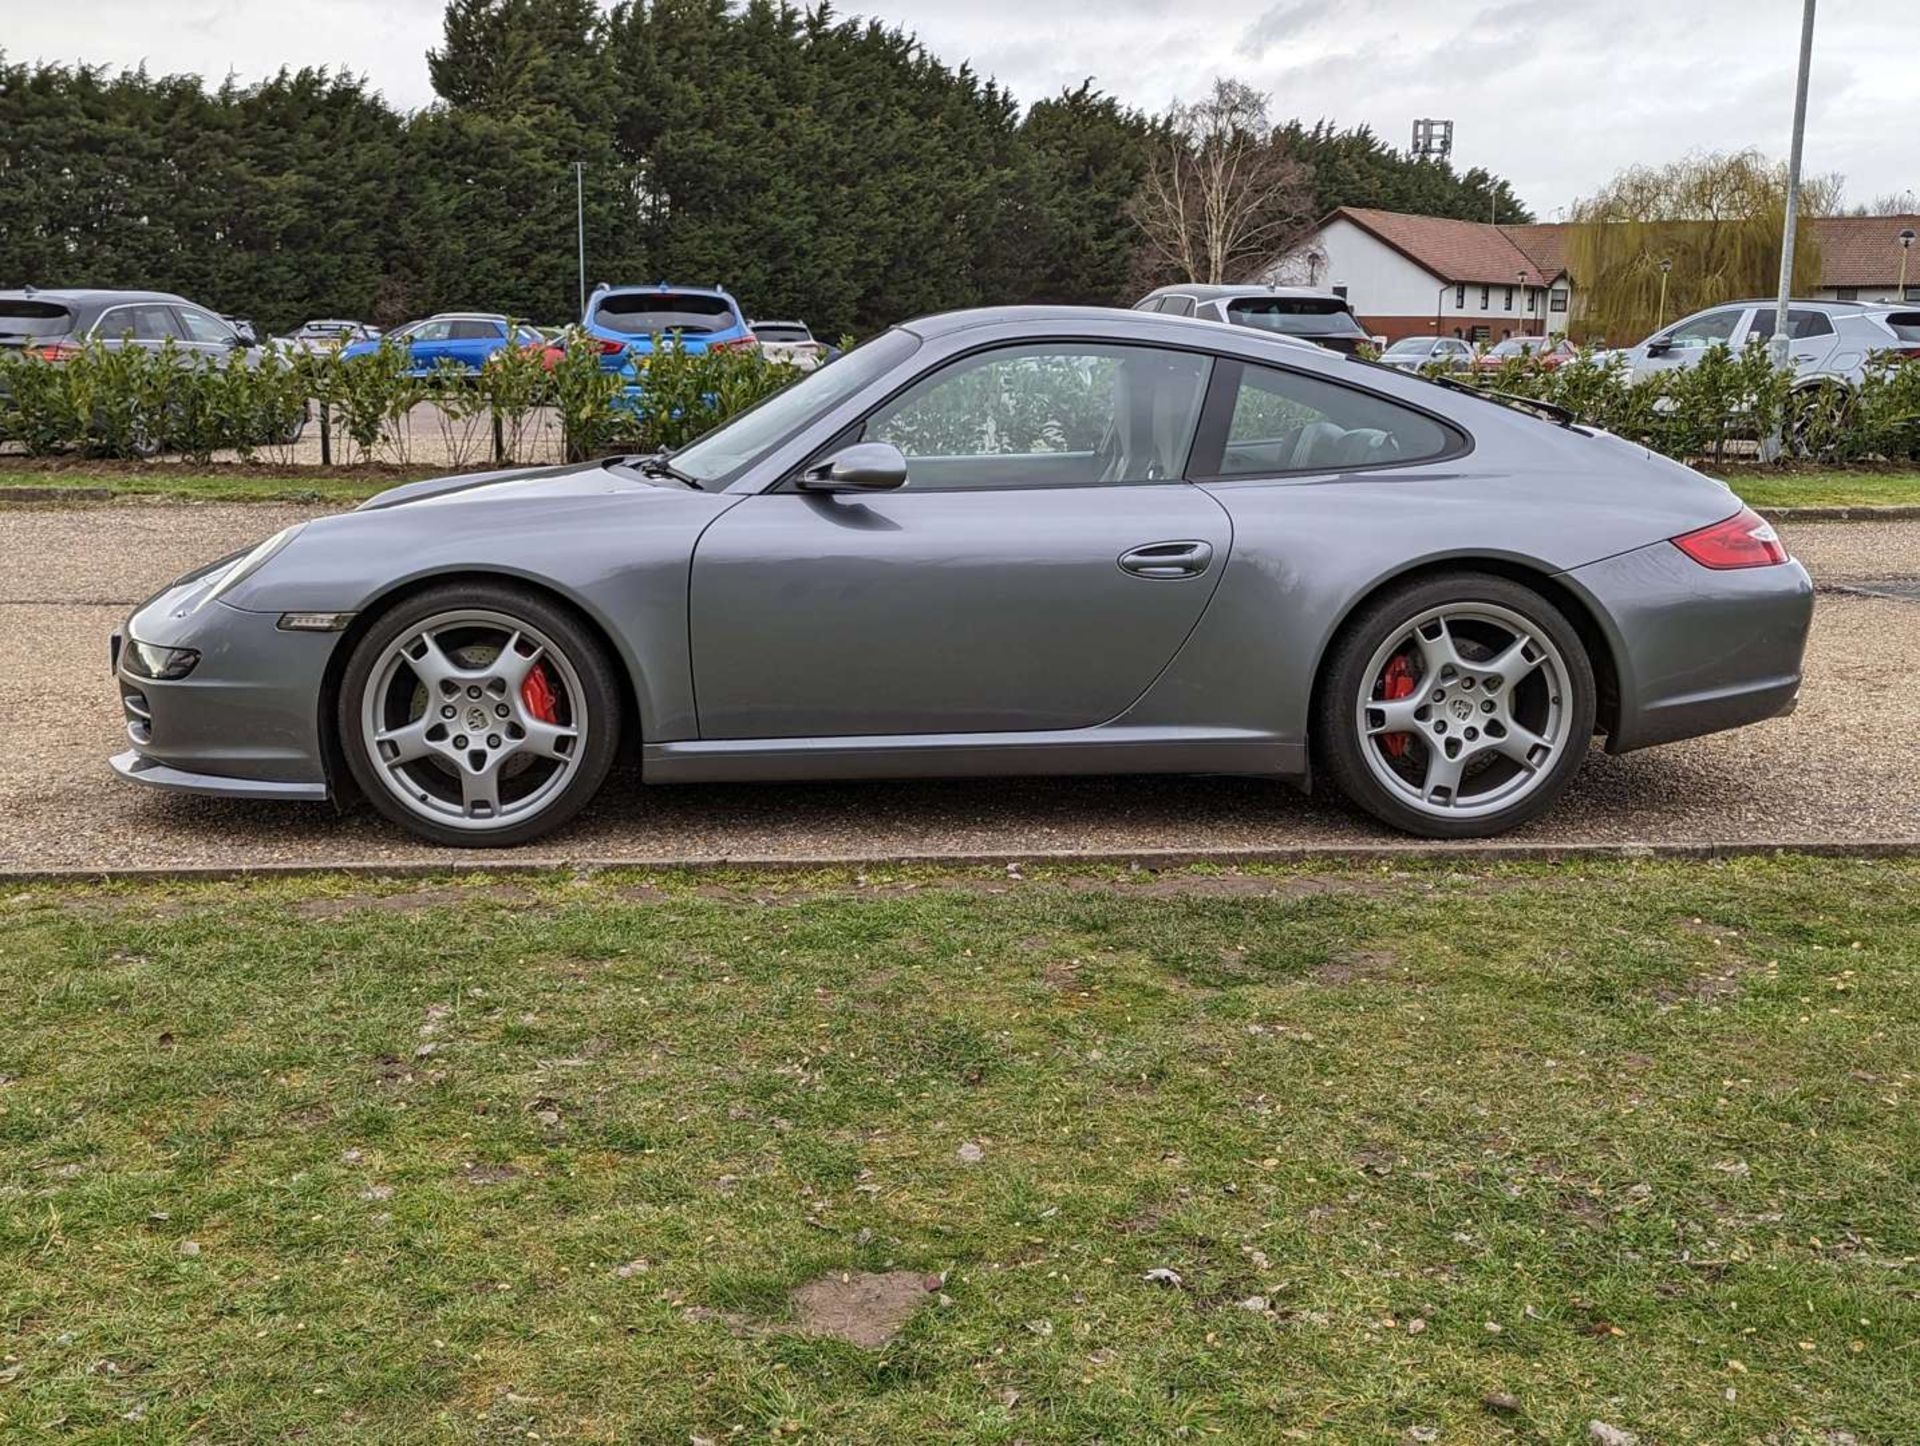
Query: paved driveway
[1843, 768]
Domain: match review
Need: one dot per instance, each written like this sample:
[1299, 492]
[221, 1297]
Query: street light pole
[1780, 340]
[580, 226]
[1666, 265]
[1906, 245]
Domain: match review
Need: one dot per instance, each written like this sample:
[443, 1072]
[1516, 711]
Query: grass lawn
[549, 1159]
[1826, 489]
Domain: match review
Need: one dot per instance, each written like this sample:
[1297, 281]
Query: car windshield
[1412, 346]
[1514, 346]
[1295, 315]
[737, 444]
[34, 318]
[782, 333]
[647, 313]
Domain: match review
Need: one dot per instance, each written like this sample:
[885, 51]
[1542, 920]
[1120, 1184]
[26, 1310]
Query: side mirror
[1659, 346]
[863, 467]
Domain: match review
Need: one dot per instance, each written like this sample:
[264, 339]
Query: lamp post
[1781, 344]
[1526, 302]
[1438, 297]
[1666, 265]
[1906, 245]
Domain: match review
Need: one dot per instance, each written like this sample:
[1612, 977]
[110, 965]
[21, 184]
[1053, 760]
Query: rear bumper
[1696, 650]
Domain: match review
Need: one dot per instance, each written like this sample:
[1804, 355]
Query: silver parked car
[1411, 353]
[1828, 341]
[1306, 313]
[1019, 540]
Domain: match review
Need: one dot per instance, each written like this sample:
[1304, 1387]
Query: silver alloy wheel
[447, 722]
[1486, 719]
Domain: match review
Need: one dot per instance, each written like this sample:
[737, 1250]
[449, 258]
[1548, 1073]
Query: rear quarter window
[1905, 325]
[1269, 421]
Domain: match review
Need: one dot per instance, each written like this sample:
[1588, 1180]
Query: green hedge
[131, 402]
[1693, 413]
[103, 401]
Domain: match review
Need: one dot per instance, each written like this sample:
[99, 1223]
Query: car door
[1810, 337]
[149, 325]
[1684, 344]
[472, 341]
[1043, 563]
[427, 343]
[208, 339]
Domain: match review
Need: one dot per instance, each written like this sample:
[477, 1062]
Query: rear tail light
[1745, 539]
[739, 343]
[54, 351]
[1898, 353]
[612, 348]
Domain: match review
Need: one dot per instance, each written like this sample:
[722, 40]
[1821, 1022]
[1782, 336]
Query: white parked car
[1829, 341]
[790, 342]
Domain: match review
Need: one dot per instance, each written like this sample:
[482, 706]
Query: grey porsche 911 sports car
[1020, 540]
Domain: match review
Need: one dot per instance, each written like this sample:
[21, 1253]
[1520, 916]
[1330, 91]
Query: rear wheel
[1456, 707]
[479, 715]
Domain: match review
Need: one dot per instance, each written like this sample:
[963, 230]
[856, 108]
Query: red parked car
[1549, 351]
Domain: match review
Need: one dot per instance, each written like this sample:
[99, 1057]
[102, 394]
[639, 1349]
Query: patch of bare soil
[1359, 965]
[862, 1308]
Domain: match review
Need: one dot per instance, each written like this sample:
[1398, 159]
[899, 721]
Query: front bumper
[245, 723]
[1697, 650]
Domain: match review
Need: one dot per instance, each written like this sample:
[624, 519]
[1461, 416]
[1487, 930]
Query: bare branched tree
[1223, 199]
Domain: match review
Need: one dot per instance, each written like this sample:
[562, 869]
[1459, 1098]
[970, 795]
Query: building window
[1509, 299]
[1846, 293]
[1557, 300]
[1460, 297]
[1486, 298]
[1341, 291]
[1912, 293]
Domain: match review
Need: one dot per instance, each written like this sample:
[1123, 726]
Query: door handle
[1168, 559]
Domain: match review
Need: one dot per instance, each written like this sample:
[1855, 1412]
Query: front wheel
[1456, 707]
[479, 715]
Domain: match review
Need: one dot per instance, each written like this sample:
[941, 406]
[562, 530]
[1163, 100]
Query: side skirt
[974, 755]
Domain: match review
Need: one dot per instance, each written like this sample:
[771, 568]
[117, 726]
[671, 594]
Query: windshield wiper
[655, 464]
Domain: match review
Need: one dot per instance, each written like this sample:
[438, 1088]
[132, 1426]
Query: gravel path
[1840, 769]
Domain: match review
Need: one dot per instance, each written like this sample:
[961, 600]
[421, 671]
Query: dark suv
[1302, 312]
[54, 324]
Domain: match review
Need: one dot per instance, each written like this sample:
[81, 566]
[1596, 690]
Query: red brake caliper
[1396, 682]
[537, 693]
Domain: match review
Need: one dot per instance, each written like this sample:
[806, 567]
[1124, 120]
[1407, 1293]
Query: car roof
[775, 321]
[669, 288]
[89, 295]
[1209, 334]
[1216, 292]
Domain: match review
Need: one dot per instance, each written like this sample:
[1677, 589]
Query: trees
[1356, 168]
[1223, 198]
[1717, 218]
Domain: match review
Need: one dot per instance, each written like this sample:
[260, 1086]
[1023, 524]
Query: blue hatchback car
[468, 339]
[626, 319]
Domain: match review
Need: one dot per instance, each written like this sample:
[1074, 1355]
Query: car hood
[579, 479]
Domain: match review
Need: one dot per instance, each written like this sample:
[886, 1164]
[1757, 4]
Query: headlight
[247, 566]
[146, 660]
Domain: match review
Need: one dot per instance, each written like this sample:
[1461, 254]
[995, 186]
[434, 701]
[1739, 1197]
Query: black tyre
[479, 715]
[1457, 706]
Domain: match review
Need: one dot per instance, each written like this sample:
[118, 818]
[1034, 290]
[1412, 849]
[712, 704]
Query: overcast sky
[1556, 96]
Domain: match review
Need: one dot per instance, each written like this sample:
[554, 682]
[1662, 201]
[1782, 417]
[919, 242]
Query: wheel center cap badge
[476, 719]
[1462, 708]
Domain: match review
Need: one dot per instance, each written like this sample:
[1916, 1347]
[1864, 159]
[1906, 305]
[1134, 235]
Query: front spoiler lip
[137, 768]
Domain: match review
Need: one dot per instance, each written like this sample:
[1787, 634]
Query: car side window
[1800, 324]
[1060, 414]
[1178, 306]
[476, 331]
[431, 331]
[148, 321]
[1704, 331]
[204, 328]
[1283, 421]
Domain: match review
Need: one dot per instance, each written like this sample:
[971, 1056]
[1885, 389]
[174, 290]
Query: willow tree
[1716, 218]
